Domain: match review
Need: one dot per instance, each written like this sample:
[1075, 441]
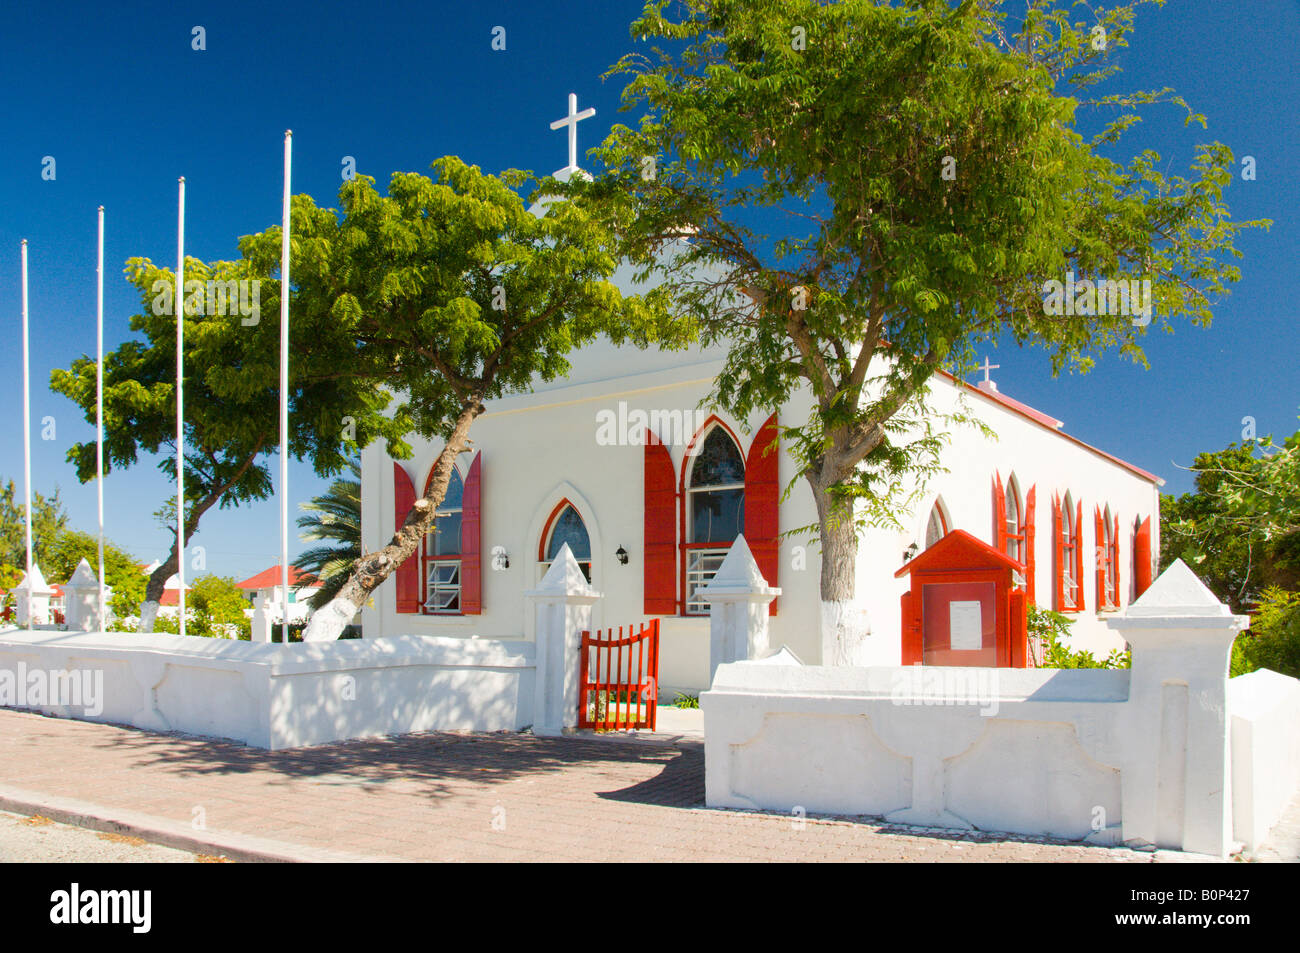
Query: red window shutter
[763, 504]
[1078, 551]
[660, 580]
[1059, 568]
[1114, 560]
[1103, 554]
[999, 514]
[1142, 557]
[408, 573]
[471, 536]
[1030, 535]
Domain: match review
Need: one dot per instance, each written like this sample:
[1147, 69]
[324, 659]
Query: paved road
[37, 839]
[444, 796]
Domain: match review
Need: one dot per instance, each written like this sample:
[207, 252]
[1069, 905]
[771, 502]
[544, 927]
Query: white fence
[1138, 757]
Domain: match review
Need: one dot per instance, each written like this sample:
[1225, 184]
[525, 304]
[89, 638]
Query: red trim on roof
[269, 578]
[1051, 423]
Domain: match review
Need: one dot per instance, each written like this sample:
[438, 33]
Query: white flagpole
[180, 413]
[27, 444]
[284, 395]
[99, 406]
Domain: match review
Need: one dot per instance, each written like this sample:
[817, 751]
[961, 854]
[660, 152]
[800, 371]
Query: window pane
[455, 493]
[717, 516]
[569, 528]
[934, 531]
[718, 461]
[445, 538]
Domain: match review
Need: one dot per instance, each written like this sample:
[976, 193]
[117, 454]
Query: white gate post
[33, 595]
[738, 598]
[1176, 785]
[562, 604]
[81, 599]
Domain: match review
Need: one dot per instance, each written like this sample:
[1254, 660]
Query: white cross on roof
[571, 120]
[986, 367]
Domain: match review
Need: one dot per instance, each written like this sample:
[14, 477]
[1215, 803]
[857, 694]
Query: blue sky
[118, 97]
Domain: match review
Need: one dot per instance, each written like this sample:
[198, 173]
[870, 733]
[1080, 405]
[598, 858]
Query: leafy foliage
[231, 397]
[219, 606]
[1240, 529]
[1273, 639]
[447, 292]
[48, 520]
[830, 252]
[335, 516]
[1051, 628]
[121, 569]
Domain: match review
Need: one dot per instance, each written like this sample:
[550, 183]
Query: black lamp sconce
[909, 553]
[622, 556]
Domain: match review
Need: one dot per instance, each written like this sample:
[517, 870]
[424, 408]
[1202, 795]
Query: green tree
[334, 516]
[450, 292]
[121, 569]
[218, 608]
[1238, 529]
[48, 521]
[231, 397]
[872, 191]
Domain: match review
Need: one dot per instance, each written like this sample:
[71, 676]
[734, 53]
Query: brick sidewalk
[447, 796]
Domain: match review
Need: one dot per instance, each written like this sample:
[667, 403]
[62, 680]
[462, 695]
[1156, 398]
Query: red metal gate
[620, 679]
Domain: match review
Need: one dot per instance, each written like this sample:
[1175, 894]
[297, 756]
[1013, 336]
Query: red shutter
[999, 514]
[1030, 535]
[1114, 560]
[763, 504]
[1078, 551]
[1058, 555]
[1102, 554]
[408, 573]
[471, 537]
[1142, 558]
[912, 648]
[660, 541]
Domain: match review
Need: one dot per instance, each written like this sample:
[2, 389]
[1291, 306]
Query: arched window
[715, 510]
[1107, 560]
[566, 526]
[1067, 515]
[442, 553]
[1013, 532]
[937, 527]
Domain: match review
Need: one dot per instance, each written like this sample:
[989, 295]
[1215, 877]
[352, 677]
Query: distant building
[263, 591]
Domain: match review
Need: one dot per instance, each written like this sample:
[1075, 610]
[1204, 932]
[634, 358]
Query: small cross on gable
[571, 120]
[986, 367]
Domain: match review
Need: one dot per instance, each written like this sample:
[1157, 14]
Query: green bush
[1051, 628]
[1273, 639]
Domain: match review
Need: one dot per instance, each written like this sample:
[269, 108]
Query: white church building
[650, 520]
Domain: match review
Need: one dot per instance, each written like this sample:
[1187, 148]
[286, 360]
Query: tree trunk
[845, 624]
[154, 589]
[368, 572]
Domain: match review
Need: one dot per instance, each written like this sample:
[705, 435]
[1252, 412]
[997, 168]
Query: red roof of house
[170, 597]
[269, 578]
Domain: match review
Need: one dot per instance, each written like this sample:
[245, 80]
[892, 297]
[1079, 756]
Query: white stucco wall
[273, 696]
[1265, 717]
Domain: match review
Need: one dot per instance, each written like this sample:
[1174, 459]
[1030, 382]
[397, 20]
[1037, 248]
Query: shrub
[1273, 639]
[1050, 628]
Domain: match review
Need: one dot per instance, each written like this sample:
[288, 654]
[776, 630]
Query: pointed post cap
[564, 578]
[1178, 592]
[739, 575]
[1178, 604]
[83, 578]
[36, 583]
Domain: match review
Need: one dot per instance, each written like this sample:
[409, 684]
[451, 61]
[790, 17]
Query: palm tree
[334, 516]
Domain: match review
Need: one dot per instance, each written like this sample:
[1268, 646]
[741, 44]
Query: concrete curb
[244, 848]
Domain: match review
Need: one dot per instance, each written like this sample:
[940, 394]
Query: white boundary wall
[1265, 710]
[276, 696]
[1139, 757]
[268, 696]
